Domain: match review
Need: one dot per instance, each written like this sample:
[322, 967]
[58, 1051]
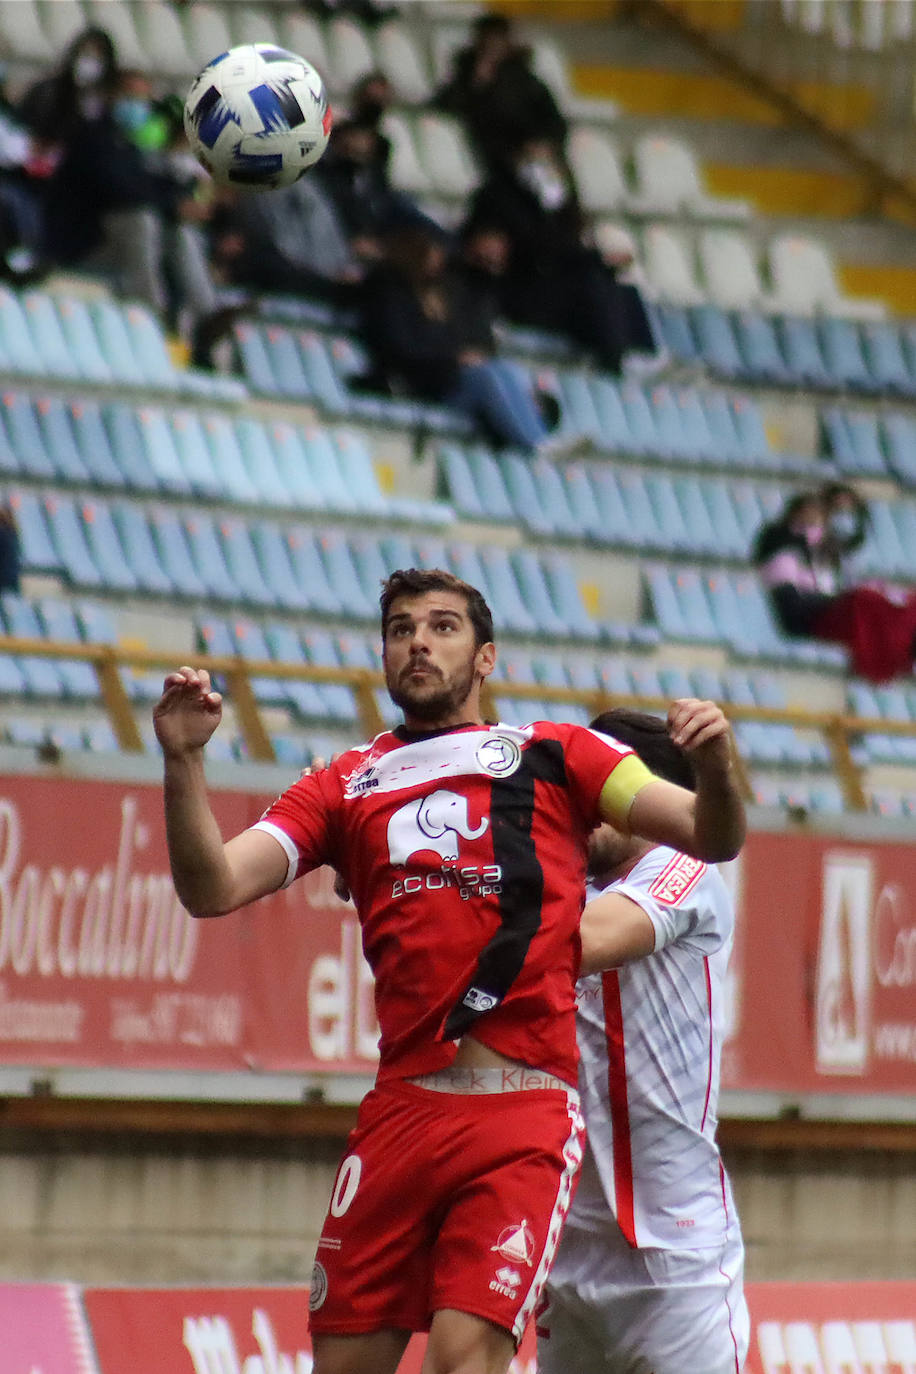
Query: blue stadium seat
[80, 333]
[614, 434]
[91, 438]
[325, 364]
[290, 447]
[126, 442]
[884, 553]
[371, 561]
[324, 464]
[310, 571]
[642, 527]
[209, 556]
[843, 354]
[54, 422]
[717, 342]
[669, 517]
[613, 514]
[149, 348]
[866, 443]
[241, 560]
[257, 452]
[17, 346]
[58, 622]
[354, 462]
[140, 549]
[171, 542]
[322, 651]
[45, 328]
[115, 342]
[676, 330]
[456, 478]
[721, 501]
[220, 434]
[536, 591]
[641, 422]
[523, 491]
[899, 433]
[255, 359]
[158, 440]
[705, 534]
[886, 359]
[566, 597]
[759, 346]
[249, 643]
[25, 436]
[190, 443]
[802, 351]
[41, 677]
[489, 569]
[285, 646]
[581, 500]
[578, 411]
[69, 538]
[491, 484]
[904, 515]
[356, 600]
[105, 546]
[39, 553]
[273, 555]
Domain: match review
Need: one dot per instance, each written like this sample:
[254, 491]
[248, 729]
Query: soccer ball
[257, 116]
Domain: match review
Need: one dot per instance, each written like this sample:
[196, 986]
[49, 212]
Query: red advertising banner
[43, 1330]
[101, 967]
[806, 1328]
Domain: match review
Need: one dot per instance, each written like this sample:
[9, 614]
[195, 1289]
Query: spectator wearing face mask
[556, 278]
[53, 107]
[800, 558]
[113, 208]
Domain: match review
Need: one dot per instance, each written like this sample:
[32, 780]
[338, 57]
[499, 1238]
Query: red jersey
[465, 853]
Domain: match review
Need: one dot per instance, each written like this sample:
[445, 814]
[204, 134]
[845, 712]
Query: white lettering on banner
[894, 948]
[110, 923]
[340, 999]
[837, 1347]
[211, 1344]
[26, 1019]
[842, 1002]
[178, 1018]
[895, 1041]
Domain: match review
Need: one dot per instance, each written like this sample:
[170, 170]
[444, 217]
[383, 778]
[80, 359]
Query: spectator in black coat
[556, 278]
[53, 106]
[430, 329]
[10, 550]
[500, 101]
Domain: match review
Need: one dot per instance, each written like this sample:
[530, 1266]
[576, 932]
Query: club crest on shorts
[516, 1243]
[318, 1287]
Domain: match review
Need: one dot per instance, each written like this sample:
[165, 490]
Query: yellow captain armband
[620, 789]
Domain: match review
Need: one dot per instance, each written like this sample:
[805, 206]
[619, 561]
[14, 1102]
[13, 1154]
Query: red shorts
[446, 1200]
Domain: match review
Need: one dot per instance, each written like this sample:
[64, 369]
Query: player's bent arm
[212, 878]
[614, 929]
[708, 824]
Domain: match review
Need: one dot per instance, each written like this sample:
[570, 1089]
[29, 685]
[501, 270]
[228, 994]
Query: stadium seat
[758, 343]
[80, 333]
[69, 538]
[729, 269]
[38, 551]
[550, 64]
[60, 443]
[356, 599]
[535, 589]
[322, 652]
[253, 24]
[242, 562]
[23, 35]
[669, 182]
[291, 445]
[404, 61]
[802, 351]
[105, 547]
[140, 550]
[844, 356]
[160, 30]
[669, 265]
[899, 432]
[303, 33]
[598, 170]
[445, 155]
[883, 345]
[41, 677]
[58, 622]
[25, 436]
[276, 567]
[405, 169]
[310, 571]
[804, 281]
[130, 452]
[717, 342]
[206, 33]
[285, 646]
[350, 50]
[117, 19]
[171, 543]
[92, 438]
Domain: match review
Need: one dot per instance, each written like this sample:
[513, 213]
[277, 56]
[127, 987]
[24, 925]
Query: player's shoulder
[674, 879]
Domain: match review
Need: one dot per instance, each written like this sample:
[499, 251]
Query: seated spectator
[496, 95]
[799, 557]
[556, 278]
[431, 331]
[356, 181]
[53, 106]
[370, 98]
[23, 170]
[113, 209]
[10, 549]
[291, 241]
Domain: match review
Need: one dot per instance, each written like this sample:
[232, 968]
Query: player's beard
[436, 699]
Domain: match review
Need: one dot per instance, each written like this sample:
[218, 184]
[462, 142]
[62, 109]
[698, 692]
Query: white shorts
[614, 1310]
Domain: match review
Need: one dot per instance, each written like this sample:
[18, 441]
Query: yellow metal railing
[236, 675]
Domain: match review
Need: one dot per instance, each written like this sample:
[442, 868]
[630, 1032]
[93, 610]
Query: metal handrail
[107, 659]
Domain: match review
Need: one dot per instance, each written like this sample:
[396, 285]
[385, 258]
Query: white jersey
[650, 1039]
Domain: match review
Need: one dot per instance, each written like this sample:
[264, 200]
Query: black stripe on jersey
[520, 902]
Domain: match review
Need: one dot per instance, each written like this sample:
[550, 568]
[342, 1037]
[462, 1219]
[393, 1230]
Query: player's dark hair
[418, 581]
[648, 736]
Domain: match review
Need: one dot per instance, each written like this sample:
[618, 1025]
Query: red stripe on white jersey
[619, 1104]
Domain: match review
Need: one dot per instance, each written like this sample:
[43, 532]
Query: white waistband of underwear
[466, 1080]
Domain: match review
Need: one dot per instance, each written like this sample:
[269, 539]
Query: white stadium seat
[61, 20]
[162, 35]
[445, 155]
[804, 281]
[303, 34]
[730, 270]
[351, 52]
[21, 32]
[668, 264]
[117, 18]
[404, 62]
[598, 170]
[253, 24]
[549, 63]
[404, 168]
[207, 32]
[669, 181]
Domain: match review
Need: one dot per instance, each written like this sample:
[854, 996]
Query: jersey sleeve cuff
[289, 848]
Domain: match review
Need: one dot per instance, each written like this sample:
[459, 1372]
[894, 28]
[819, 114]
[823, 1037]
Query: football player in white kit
[649, 1274]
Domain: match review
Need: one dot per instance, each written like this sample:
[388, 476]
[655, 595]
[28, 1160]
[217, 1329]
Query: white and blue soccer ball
[257, 116]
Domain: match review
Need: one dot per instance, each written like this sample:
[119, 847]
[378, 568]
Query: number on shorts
[347, 1183]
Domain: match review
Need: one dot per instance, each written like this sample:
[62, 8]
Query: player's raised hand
[188, 712]
[702, 730]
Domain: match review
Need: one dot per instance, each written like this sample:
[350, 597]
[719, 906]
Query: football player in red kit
[464, 846]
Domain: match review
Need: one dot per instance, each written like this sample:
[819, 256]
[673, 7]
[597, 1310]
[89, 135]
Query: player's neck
[453, 721]
[619, 870]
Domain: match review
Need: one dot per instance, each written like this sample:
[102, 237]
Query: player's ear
[485, 659]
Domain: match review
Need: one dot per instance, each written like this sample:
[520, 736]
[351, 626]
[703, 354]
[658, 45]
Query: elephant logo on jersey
[435, 822]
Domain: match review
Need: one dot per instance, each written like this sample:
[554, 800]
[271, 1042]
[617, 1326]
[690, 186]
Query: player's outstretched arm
[710, 823]
[211, 878]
